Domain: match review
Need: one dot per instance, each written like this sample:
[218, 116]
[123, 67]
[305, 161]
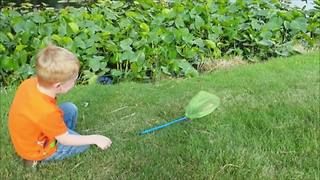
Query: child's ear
[57, 87]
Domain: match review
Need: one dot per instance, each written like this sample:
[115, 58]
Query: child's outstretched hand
[102, 141]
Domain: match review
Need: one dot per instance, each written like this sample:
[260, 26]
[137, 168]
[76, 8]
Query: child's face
[66, 86]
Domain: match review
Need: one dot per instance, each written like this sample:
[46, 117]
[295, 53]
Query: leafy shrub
[143, 40]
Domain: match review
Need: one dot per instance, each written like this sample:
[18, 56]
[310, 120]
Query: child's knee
[72, 106]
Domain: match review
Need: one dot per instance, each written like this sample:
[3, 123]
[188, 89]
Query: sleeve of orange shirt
[52, 125]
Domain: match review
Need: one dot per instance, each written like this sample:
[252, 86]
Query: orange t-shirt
[34, 122]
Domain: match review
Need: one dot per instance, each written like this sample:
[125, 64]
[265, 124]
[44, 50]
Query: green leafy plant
[144, 40]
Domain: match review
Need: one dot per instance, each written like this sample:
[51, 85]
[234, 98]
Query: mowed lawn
[267, 127]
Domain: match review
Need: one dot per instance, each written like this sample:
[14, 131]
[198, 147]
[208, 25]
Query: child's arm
[78, 140]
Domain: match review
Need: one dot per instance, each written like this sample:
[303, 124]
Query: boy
[39, 129]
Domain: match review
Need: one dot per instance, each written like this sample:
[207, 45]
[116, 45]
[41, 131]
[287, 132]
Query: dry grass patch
[213, 64]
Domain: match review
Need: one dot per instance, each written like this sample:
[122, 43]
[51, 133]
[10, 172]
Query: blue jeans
[70, 118]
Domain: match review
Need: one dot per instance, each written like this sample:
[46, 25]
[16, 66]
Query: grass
[267, 127]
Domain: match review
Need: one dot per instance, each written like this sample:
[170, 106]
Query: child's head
[56, 66]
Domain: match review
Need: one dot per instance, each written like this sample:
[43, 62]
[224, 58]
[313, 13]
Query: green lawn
[267, 127]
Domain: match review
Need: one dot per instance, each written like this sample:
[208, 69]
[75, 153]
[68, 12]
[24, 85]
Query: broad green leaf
[158, 20]
[10, 35]
[187, 52]
[67, 40]
[199, 22]
[26, 70]
[79, 43]
[136, 67]
[266, 42]
[21, 56]
[3, 37]
[199, 43]
[145, 27]
[201, 105]
[194, 12]
[117, 4]
[165, 70]
[184, 65]
[274, 23]
[187, 68]
[131, 14]
[255, 24]
[46, 29]
[10, 63]
[45, 41]
[95, 63]
[299, 24]
[287, 15]
[38, 19]
[187, 37]
[2, 48]
[139, 56]
[138, 44]
[179, 8]
[36, 43]
[91, 51]
[125, 23]
[125, 44]
[266, 34]
[213, 37]
[167, 37]
[110, 14]
[183, 34]
[116, 73]
[154, 37]
[19, 27]
[93, 79]
[90, 27]
[20, 47]
[127, 55]
[210, 44]
[98, 58]
[174, 65]
[62, 28]
[74, 27]
[191, 73]
[25, 37]
[165, 11]
[57, 38]
[179, 22]
[172, 53]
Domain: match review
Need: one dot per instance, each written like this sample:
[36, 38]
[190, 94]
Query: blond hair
[55, 64]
